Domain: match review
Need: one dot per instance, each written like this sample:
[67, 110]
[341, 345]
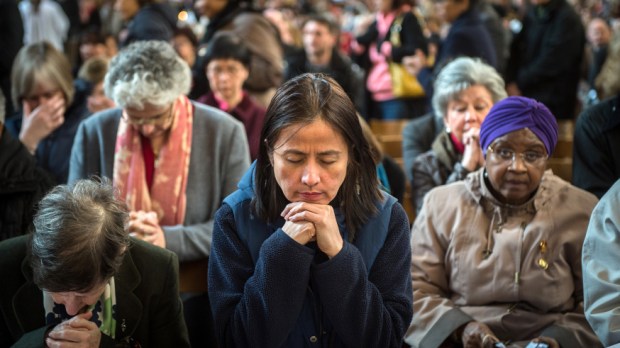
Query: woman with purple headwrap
[496, 257]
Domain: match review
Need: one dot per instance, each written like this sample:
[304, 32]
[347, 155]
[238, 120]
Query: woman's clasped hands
[306, 222]
[145, 226]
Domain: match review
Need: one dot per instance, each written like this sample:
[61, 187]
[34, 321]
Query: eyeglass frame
[148, 121]
[513, 157]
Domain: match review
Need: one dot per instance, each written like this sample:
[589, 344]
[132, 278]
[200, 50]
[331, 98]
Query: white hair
[459, 75]
[147, 72]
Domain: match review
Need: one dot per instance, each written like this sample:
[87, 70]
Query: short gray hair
[147, 72]
[79, 236]
[461, 74]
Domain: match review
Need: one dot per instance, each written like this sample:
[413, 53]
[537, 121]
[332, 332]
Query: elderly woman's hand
[145, 225]
[472, 156]
[476, 334]
[77, 332]
[322, 216]
[37, 124]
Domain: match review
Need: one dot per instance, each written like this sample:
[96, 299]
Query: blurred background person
[393, 34]
[145, 20]
[23, 184]
[159, 147]
[546, 56]
[44, 21]
[498, 255]
[227, 68]
[596, 159]
[11, 40]
[598, 39]
[467, 36]
[320, 54]
[93, 71]
[51, 106]
[259, 35]
[308, 225]
[79, 280]
[185, 42]
[465, 91]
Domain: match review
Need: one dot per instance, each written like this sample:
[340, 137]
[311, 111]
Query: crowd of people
[203, 174]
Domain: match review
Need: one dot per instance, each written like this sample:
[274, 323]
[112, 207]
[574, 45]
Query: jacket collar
[478, 187]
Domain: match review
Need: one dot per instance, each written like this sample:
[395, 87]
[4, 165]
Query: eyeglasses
[143, 121]
[508, 156]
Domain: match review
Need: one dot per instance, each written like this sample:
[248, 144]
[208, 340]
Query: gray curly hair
[147, 72]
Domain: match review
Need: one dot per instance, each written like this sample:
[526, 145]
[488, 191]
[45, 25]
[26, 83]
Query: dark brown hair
[301, 101]
[79, 237]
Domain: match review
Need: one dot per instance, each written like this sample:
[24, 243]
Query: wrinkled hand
[478, 335]
[415, 63]
[145, 226]
[551, 342]
[37, 124]
[76, 332]
[322, 216]
[472, 156]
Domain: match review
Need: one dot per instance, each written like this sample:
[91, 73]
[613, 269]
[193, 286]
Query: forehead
[313, 25]
[317, 134]
[520, 138]
[223, 62]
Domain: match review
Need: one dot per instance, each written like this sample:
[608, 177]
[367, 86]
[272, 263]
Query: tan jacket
[529, 284]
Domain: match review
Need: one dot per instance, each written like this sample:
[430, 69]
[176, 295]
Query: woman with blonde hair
[52, 106]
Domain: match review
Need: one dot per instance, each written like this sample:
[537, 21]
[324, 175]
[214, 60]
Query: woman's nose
[311, 175]
[73, 306]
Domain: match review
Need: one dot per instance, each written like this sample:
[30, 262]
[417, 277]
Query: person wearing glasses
[497, 257]
[466, 89]
[172, 160]
[78, 280]
[51, 106]
[227, 66]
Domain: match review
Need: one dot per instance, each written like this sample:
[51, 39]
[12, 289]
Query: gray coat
[219, 158]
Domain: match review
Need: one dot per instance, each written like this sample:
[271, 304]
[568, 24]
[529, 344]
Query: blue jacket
[266, 290]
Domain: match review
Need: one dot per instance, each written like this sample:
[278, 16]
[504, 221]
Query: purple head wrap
[516, 113]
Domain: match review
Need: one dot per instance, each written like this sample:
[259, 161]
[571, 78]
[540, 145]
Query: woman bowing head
[309, 249]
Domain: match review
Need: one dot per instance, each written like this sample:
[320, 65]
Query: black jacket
[22, 184]
[340, 68]
[545, 57]
[152, 22]
[596, 155]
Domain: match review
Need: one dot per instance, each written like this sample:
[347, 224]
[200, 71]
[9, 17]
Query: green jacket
[149, 308]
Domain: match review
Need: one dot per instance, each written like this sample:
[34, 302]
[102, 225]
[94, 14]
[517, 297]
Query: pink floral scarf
[167, 197]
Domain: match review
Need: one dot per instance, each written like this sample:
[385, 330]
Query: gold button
[313, 339]
[542, 263]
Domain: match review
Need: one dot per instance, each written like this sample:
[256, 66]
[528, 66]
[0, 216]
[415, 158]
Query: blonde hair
[94, 69]
[40, 62]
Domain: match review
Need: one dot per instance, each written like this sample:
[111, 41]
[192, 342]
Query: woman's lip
[311, 195]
